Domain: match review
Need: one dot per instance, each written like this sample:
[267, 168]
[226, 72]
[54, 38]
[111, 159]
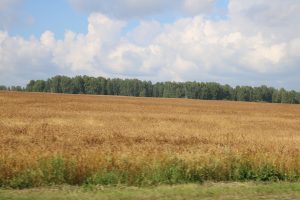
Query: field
[50, 139]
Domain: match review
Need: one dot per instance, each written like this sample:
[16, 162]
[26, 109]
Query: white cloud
[145, 32]
[236, 50]
[276, 18]
[83, 53]
[21, 59]
[196, 7]
[141, 8]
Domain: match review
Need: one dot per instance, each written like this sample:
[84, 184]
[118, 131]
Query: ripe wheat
[76, 139]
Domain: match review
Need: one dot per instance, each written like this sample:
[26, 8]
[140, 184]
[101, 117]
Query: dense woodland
[138, 88]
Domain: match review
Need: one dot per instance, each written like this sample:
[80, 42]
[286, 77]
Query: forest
[138, 88]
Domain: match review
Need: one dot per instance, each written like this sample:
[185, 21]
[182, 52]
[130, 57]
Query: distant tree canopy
[138, 88]
[12, 88]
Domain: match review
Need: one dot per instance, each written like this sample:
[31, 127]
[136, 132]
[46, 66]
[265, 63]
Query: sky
[236, 42]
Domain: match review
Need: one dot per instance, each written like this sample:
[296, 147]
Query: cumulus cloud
[141, 8]
[21, 59]
[191, 48]
[277, 19]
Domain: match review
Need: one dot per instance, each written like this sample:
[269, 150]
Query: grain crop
[85, 139]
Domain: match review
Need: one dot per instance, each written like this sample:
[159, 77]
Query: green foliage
[138, 88]
[27, 179]
[58, 170]
[3, 87]
[105, 177]
[270, 173]
[172, 172]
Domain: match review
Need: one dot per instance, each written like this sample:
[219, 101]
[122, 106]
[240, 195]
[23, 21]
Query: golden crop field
[77, 139]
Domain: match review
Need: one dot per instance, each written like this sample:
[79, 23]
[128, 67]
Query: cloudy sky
[228, 41]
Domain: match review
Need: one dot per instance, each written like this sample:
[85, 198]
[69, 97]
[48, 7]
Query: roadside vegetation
[207, 191]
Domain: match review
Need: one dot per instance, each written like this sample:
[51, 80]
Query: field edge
[208, 190]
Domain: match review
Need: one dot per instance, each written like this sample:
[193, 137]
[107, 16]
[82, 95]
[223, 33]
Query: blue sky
[56, 15]
[238, 42]
[59, 16]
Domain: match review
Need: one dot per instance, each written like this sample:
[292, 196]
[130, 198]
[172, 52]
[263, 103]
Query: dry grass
[97, 132]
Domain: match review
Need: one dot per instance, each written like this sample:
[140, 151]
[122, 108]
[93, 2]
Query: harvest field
[48, 139]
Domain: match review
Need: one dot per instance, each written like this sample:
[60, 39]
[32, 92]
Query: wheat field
[80, 139]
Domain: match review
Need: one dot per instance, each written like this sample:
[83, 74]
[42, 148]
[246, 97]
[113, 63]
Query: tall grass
[50, 139]
[57, 170]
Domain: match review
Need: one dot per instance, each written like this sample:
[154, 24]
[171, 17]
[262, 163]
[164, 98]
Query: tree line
[138, 88]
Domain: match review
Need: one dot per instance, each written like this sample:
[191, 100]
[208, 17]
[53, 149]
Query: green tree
[135, 87]
[39, 86]
[3, 87]
[29, 86]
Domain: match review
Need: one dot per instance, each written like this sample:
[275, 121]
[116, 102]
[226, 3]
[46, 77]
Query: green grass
[221, 191]
[58, 171]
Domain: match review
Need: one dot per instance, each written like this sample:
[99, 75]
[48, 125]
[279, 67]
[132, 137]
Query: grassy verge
[223, 191]
[58, 171]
